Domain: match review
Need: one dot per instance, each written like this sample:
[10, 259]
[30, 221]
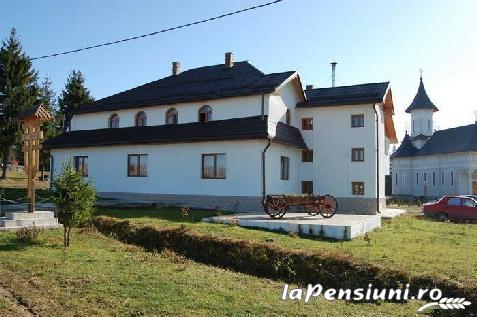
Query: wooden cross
[32, 119]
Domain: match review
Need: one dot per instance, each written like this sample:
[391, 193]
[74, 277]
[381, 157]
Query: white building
[224, 136]
[432, 163]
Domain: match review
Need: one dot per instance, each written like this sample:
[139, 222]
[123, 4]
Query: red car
[452, 207]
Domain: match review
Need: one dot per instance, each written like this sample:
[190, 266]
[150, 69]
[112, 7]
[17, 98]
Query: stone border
[243, 204]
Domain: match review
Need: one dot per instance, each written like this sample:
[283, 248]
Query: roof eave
[318, 104]
[168, 103]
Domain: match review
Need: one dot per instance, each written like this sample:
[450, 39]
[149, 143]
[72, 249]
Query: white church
[226, 135]
[432, 163]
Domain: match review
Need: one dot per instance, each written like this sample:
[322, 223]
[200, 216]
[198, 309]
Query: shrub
[28, 235]
[74, 198]
[185, 212]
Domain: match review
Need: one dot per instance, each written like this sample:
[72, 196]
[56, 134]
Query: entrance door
[474, 188]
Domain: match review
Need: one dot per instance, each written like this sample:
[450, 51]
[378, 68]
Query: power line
[161, 31]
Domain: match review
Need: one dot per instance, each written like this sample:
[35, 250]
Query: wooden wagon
[276, 206]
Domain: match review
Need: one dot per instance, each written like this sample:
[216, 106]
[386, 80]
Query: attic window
[288, 117]
[172, 117]
[113, 121]
[357, 120]
[307, 124]
[141, 119]
[205, 114]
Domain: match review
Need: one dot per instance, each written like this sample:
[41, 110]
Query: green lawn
[99, 276]
[417, 244]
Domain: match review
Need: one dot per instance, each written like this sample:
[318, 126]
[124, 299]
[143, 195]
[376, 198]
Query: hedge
[330, 269]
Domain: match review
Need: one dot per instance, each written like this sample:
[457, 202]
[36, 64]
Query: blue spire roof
[421, 100]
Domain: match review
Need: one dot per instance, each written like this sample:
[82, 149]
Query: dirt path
[10, 306]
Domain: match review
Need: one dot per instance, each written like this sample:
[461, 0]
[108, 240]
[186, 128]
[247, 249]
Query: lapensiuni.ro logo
[372, 294]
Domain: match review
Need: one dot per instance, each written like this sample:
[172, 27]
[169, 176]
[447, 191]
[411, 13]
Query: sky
[371, 40]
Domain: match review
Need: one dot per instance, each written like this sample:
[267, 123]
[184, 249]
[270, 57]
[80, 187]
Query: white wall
[274, 183]
[421, 122]
[172, 169]
[175, 169]
[405, 170]
[227, 108]
[332, 139]
[277, 104]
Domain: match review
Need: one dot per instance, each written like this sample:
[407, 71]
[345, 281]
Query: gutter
[377, 157]
[263, 107]
[52, 165]
[264, 192]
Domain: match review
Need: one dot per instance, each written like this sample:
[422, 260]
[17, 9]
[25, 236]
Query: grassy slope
[100, 276]
[416, 244]
[18, 179]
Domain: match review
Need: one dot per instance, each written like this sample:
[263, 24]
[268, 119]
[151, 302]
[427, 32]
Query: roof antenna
[333, 74]
[421, 71]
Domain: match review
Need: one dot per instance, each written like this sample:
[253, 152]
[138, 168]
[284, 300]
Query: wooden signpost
[32, 119]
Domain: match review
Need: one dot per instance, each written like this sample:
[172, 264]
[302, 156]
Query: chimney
[229, 60]
[475, 117]
[333, 74]
[309, 87]
[176, 68]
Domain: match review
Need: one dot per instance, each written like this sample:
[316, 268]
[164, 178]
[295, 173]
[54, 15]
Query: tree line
[21, 88]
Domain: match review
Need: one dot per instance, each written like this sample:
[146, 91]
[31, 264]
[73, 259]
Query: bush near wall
[331, 269]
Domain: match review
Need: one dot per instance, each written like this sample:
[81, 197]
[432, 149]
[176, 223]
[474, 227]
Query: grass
[417, 244]
[18, 179]
[98, 276]
[4, 305]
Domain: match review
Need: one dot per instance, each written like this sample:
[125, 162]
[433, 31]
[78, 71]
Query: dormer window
[205, 114]
[141, 119]
[114, 121]
[172, 117]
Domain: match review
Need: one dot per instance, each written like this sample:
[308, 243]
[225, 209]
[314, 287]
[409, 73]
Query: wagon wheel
[276, 208]
[328, 206]
[312, 210]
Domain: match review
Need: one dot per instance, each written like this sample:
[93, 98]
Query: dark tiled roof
[460, 139]
[31, 111]
[204, 83]
[406, 148]
[232, 129]
[345, 95]
[421, 100]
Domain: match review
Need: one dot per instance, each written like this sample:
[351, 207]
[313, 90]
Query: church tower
[422, 111]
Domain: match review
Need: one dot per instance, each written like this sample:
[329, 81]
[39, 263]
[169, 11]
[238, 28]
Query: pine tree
[48, 99]
[73, 95]
[50, 128]
[18, 91]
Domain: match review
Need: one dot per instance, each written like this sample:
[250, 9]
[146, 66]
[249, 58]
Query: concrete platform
[20, 219]
[390, 213]
[340, 227]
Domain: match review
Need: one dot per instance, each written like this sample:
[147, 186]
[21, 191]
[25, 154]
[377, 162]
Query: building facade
[432, 163]
[224, 136]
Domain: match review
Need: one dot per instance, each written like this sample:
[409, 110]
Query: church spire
[421, 100]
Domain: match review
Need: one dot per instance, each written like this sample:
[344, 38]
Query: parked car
[452, 207]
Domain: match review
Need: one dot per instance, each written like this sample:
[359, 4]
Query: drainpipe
[264, 192]
[52, 165]
[377, 157]
[263, 106]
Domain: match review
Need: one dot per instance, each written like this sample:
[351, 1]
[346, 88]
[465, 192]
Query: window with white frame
[172, 116]
[214, 166]
[284, 168]
[81, 164]
[141, 119]
[137, 165]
